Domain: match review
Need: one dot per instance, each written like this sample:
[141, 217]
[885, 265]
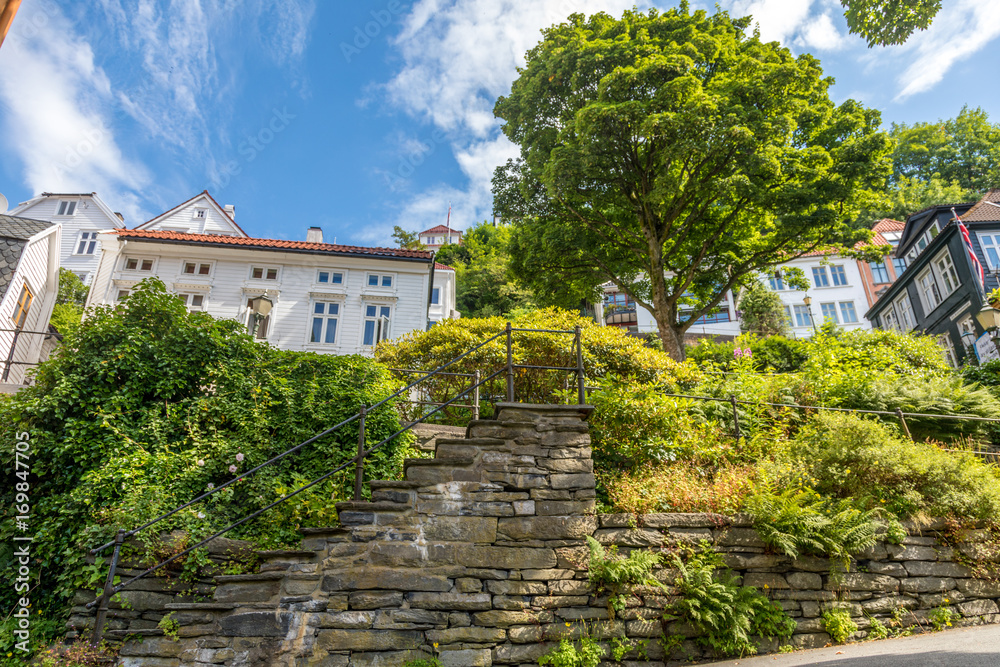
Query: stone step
[366, 506]
[452, 448]
[393, 484]
[242, 578]
[438, 471]
[286, 554]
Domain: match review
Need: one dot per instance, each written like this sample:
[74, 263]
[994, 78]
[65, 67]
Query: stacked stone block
[478, 557]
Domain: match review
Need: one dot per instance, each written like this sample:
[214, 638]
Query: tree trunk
[673, 342]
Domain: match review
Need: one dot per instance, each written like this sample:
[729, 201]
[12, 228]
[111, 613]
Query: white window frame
[381, 280]
[990, 241]
[838, 272]
[264, 270]
[382, 325]
[854, 312]
[817, 272]
[189, 299]
[922, 289]
[788, 316]
[197, 268]
[776, 281]
[944, 342]
[435, 296]
[904, 309]
[966, 325]
[84, 238]
[331, 273]
[802, 308]
[67, 207]
[324, 325]
[138, 267]
[947, 275]
[199, 213]
[889, 319]
[122, 293]
[832, 307]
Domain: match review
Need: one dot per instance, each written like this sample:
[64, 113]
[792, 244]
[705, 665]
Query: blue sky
[359, 116]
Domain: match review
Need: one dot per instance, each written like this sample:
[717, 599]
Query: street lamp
[807, 300]
[260, 307]
[989, 318]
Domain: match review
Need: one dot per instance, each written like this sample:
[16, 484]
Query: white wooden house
[29, 284]
[438, 236]
[81, 216]
[296, 295]
[443, 294]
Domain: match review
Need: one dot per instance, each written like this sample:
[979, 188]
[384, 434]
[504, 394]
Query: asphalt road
[962, 647]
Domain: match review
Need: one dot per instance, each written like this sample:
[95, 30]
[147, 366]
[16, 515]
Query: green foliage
[774, 353]
[942, 617]
[839, 624]
[678, 155]
[485, 286]
[838, 356]
[147, 405]
[963, 152]
[429, 662]
[906, 195]
[584, 653]
[634, 424]
[888, 22]
[877, 629]
[606, 351]
[71, 289]
[851, 457]
[407, 240]
[618, 575]
[66, 317]
[763, 311]
[803, 522]
[727, 615]
[987, 374]
[170, 627]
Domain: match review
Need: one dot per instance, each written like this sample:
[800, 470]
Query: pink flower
[747, 353]
[239, 456]
[232, 468]
[737, 353]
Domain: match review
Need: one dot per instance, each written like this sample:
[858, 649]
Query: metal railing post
[736, 417]
[510, 365]
[10, 356]
[106, 595]
[475, 395]
[902, 422]
[581, 395]
[359, 461]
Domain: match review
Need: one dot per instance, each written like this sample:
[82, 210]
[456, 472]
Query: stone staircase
[468, 559]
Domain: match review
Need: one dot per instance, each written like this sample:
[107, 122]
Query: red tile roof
[269, 244]
[438, 266]
[441, 228]
[986, 209]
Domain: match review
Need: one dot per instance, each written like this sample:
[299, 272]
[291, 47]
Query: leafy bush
[763, 310]
[727, 615]
[839, 624]
[634, 424]
[588, 654]
[942, 617]
[869, 353]
[146, 406]
[606, 351]
[680, 487]
[774, 353]
[987, 374]
[803, 522]
[852, 457]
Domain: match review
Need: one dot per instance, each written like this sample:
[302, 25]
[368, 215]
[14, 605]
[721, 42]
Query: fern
[617, 574]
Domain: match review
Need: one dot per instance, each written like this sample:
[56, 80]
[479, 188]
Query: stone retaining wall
[479, 558]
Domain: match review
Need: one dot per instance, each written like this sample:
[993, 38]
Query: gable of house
[200, 214]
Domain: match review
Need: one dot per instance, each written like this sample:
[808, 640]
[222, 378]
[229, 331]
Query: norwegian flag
[972, 254]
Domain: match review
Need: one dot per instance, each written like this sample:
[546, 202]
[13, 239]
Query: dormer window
[67, 208]
[200, 213]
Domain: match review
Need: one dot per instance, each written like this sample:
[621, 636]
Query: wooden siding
[295, 291]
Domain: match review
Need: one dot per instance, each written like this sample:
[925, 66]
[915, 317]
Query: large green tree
[485, 286]
[677, 156]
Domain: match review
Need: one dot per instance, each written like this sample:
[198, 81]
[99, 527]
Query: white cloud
[57, 119]
[778, 20]
[960, 30]
[820, 33]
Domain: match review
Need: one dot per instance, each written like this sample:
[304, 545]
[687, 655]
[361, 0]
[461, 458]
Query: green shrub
[146, 406]
[839, 624]
[774, 353]
[428, 662]
[877, 629]
[587, 654]
[606, 351]
[845, 456]
[803, 522]
[942, 617]
[727, 616]
[634, 424]
[987, 374]
[867, 353]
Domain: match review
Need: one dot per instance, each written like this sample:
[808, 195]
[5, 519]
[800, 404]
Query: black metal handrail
[110, 589]
[9, 361]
